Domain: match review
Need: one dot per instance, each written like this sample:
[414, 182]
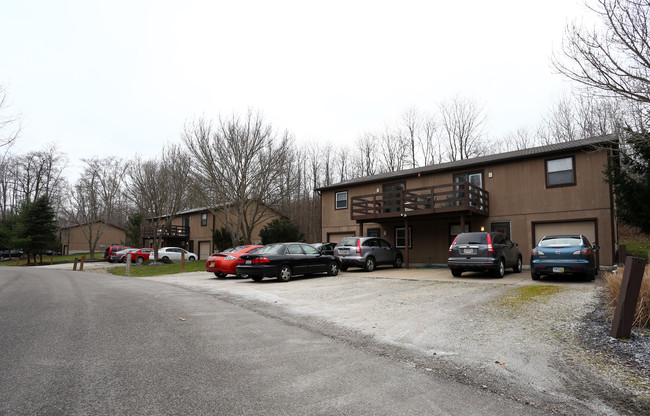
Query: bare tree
[94, 198]
[410, 127]
[462, 123]
[41, 173]
[240, 164]
[394, 150]
[428, 141]
[614, 59]
[159, 188]
[520, 139]
[9, 125]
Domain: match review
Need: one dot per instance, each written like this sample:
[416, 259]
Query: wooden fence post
[74, 268]
[183, 262]
[628, 297]
[128, 265]
[81, 265]
[622, 253]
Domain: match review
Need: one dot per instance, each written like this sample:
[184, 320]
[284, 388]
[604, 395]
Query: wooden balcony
[173, 231]
[459, 197]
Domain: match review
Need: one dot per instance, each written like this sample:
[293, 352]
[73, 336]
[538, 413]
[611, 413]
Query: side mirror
[596, 247]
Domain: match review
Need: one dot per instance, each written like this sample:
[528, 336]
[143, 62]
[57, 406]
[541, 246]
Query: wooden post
[81, 265]
[622, 253]
[627, 298]
[74, 268]
[183, 262]
[406, 243]
[128, 265]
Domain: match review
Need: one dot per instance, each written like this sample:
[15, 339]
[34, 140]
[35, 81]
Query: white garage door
[336, 237]
[586, 228]
[204, 250]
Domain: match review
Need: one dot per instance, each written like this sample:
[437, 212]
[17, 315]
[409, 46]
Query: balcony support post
[361, 229]
[406, 241]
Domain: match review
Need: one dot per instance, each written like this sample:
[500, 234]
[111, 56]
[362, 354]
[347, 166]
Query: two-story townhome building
[554, 189]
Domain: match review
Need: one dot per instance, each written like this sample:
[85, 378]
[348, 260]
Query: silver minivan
[367, 253]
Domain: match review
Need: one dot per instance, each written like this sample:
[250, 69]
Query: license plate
[248, 262]
[468, 251]
[211, 264]
[558, 269]
[344, 250]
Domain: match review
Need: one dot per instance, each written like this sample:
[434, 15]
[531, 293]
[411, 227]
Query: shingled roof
[584, 144]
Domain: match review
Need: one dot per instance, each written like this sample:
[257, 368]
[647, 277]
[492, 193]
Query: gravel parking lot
[512, 336]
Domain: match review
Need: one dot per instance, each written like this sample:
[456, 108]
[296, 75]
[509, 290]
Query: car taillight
[261, 260]
[584, 251]
[452, 243]
[537, 252]
[359, 246]
[490, 247]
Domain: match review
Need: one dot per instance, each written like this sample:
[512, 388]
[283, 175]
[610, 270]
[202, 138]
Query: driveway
[511, 336]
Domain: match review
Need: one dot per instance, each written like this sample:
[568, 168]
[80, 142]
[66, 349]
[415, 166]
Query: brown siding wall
[73, 239]
[517, 194]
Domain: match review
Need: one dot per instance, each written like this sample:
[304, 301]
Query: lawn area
[57, 259]
[146, 270]
[637, 248]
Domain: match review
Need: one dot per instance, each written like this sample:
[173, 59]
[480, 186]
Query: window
[204, 219]
[560, 172]
[475, 180]
[373, 232]
[400, 237]
[342, 200]
[501, 227]
[393, 196]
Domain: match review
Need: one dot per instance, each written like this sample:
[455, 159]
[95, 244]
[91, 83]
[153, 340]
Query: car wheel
[165, 259]
[220, 275]
[501, 271]
[140, 260]
[517, 268]
[456, 272]
[256, 277]
[534, 275]
[333, 269]
[343, 268]
[284, 275]
[192, 258]
[398, 262]
[370, 264]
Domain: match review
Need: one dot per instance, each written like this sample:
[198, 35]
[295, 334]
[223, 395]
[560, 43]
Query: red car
[110, 252]
[225, 263]
[140, 255]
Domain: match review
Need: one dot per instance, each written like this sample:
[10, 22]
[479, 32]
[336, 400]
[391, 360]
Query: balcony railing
[458, 197]
[173, 231]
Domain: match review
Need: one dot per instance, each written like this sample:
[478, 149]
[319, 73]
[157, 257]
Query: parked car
[110, 252]
[483, 251]
[225, 262]
[120, 256]
[284, 260]
[140, 255]
[367, 252]
[564, 255]
[173, 254]
[325, 248]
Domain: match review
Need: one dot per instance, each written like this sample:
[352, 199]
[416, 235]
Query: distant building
[74, 240]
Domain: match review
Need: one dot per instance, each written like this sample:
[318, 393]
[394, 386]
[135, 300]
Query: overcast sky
[122, 77]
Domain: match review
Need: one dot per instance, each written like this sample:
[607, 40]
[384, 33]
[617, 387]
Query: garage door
[336, 237]
[586, 228]
[204, 250]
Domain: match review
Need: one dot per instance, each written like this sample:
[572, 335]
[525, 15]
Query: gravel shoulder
[546, 347]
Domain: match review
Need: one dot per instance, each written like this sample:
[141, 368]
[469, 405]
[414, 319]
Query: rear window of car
[348, 242]
[560, 242]
[472, 238]
[270, 249]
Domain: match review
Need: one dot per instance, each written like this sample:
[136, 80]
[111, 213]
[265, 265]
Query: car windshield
[566, 241]
[472, 238]
[348, 242]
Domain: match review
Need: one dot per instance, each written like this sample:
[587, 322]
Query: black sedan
[284, 260]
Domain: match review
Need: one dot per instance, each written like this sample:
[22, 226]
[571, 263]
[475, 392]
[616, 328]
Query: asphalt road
[88, 343]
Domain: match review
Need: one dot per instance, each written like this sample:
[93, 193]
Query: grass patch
[48, 259]
[147, 270]
[613, 287]
[516, 299]
[637, 248]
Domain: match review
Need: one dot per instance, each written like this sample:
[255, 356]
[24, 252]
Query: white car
[174, 254]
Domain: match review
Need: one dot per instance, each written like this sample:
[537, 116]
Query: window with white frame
[342, 200]
[400, 237]
[204, 219]
[560, 172]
